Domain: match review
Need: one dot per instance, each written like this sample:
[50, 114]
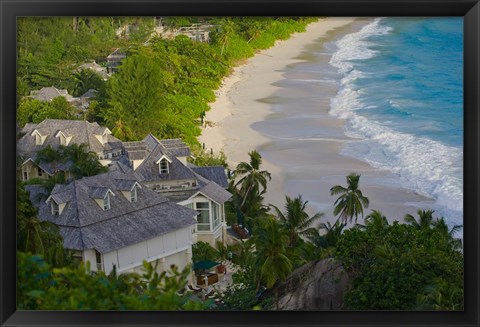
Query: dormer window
[39, 138]
[163, 166]
[128, 188]
[101, 195]
[63, 140]
[106, 202]
[55, 208]
[133, 194]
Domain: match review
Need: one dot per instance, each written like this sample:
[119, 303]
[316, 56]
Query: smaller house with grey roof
[162, 166]
[47, 94]
[56, 132]
[113, 220]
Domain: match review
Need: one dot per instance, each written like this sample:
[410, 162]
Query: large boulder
[319, 285]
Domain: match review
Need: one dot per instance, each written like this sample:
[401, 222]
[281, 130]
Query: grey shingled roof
[98, 192]
[213, 173]
[176, 147]
[82, 132]
[148, 169]
[89, 94]
[211, 180]
[35, 191]
[215, 192]
[125, 184]
[85, 225]
[49, 93]
[52, 167]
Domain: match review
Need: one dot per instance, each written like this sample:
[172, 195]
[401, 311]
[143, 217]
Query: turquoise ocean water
[401, 93]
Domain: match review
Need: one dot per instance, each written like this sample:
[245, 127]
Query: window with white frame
[40, 171]
[133, 194]
[38, 139]
[55, 208]
[106, 202]
[163, 165]
[99, 261]
[203, 219]
[216, 215]
[63, 139]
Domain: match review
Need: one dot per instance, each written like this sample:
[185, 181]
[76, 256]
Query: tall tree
[425, 219]
[330, 237]
[55, 157]
[84, 162]
[351, 201]
[272, 262]
[253, 179]
[295, 219]
[136, 95]
[36, 236]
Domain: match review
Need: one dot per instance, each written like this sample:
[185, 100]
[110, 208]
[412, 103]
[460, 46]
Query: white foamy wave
[425, 166]
[354, 46]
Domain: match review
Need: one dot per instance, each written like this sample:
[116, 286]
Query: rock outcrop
[319, 285]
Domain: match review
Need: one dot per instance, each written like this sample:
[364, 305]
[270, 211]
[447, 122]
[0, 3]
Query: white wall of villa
[174, 248]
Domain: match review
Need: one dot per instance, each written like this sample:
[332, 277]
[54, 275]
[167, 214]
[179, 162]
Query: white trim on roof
[163, 157]
[200, 193]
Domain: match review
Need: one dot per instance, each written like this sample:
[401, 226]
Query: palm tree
[272, 261]
[253, 178]
[331, 236]
[376, 220]
[295, 220]
[425, 220]
[225, 33]
[36, 236]
[449, 234]
[441, 295]
[351, 202]
[84, 162]
[52, 156]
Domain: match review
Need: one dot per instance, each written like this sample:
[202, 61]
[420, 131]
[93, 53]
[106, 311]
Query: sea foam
[424, 165]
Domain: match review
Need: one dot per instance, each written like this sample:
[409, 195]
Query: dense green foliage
[37, 236]
[50, 48]
[202, 251]
[35, 111]
[43, 287]
[209, 159]
[82, 162]
[398, 266]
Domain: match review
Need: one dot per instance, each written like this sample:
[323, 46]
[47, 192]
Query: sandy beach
[244, 102]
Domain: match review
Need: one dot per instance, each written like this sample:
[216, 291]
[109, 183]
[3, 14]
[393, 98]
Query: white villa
[162, 166]
[112, 220]
[152, 205]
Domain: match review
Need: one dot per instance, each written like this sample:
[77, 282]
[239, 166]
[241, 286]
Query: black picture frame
[469, 9]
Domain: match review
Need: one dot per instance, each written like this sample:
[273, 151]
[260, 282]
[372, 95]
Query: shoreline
[245, 105]
[237, 106]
